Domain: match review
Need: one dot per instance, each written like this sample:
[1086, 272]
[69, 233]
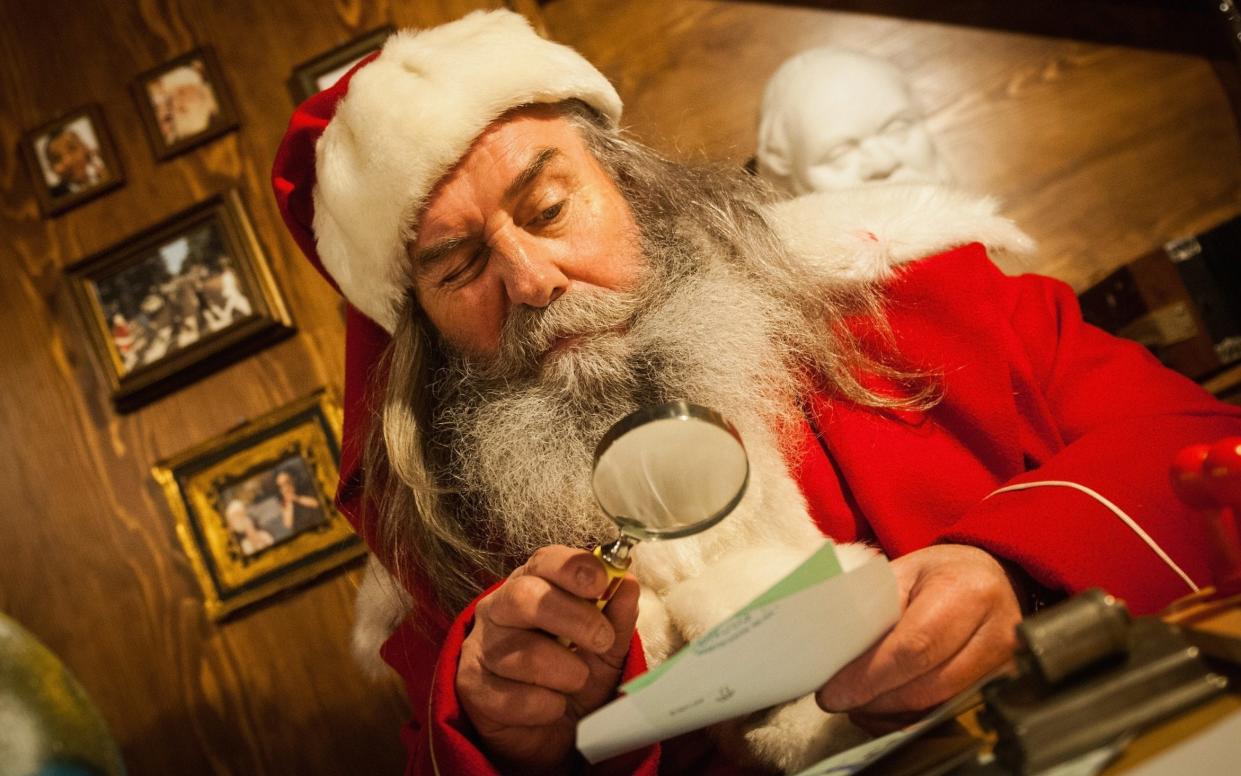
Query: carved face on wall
[834, 118]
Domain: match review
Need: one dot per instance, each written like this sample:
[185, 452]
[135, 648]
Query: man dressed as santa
[521, 274]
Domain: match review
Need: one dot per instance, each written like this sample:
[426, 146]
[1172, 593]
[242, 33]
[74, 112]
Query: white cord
[1129, 521]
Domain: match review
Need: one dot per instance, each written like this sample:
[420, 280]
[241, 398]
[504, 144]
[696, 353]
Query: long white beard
[521, 430]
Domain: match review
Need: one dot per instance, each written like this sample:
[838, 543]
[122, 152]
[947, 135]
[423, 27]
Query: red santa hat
[360, 158]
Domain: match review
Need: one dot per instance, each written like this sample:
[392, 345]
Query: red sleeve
[1097, 508]
[439, 736]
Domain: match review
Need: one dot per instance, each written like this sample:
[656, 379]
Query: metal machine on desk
[1090, 675]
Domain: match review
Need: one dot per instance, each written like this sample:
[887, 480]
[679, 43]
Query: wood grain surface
[1100, 152]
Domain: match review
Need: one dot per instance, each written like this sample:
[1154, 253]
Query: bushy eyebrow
[431, 255]
[532, 172]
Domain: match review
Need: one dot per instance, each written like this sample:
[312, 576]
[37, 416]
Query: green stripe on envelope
[818, 568]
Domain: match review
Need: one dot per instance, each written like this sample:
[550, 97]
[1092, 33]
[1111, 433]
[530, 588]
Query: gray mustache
[530, 332]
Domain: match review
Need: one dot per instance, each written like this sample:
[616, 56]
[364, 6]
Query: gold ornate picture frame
[255, 507]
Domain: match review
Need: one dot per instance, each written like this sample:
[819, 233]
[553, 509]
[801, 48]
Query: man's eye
[550, 214]
[466, 270]
[898, 126]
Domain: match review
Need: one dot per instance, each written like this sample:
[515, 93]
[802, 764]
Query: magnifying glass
[664, 472]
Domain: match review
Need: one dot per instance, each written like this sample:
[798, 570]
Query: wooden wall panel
[1100, 152]
[89, 560]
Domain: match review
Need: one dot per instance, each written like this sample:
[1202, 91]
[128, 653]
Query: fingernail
[586, 578]
[603, 637]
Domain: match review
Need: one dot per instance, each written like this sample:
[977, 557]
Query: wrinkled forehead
[502, 157]
[509, 139]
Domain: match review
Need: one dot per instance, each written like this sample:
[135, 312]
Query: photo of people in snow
[184, 290]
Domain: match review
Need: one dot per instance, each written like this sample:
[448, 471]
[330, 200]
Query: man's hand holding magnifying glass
[523, 690]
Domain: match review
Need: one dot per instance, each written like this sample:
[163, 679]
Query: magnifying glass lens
[670, 475]
[665, 472]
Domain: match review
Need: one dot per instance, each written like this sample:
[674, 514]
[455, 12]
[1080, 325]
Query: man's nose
[877, 162]
[531, 277]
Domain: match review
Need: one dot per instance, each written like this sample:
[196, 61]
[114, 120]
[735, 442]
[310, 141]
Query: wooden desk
[1167, 734]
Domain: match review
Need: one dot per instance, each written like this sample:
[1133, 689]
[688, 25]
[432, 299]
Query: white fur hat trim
[407, 118]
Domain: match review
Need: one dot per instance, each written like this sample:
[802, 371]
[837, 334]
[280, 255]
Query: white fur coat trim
[407, 118]
[861, 234]
[381, 605]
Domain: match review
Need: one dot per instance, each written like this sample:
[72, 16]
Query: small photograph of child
[70, 159]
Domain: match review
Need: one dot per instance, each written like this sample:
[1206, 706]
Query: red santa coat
[1050, 449]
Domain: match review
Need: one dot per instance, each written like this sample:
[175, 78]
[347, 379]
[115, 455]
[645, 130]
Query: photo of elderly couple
[271, 506]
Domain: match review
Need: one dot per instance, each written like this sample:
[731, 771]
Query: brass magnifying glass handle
[615, 559]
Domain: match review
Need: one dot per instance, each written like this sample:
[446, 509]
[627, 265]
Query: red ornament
[1222, 472]
[1208, 479]
[1189, 477]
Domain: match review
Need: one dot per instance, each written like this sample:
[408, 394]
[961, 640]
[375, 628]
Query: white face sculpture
[834, 118]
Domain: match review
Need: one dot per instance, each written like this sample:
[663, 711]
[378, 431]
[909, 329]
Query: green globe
[48, 726]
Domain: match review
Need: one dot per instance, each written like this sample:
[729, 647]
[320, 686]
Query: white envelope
[785, 644]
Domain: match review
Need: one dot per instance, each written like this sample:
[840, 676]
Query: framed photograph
[72, 159]
[317, 74]
[178, 300]
[254, 507]
[184, 103]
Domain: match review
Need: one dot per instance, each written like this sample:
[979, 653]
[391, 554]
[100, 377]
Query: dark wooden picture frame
[305, 80]
[233, 499]
[188, 90]
[91, 151]
[178, 300]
